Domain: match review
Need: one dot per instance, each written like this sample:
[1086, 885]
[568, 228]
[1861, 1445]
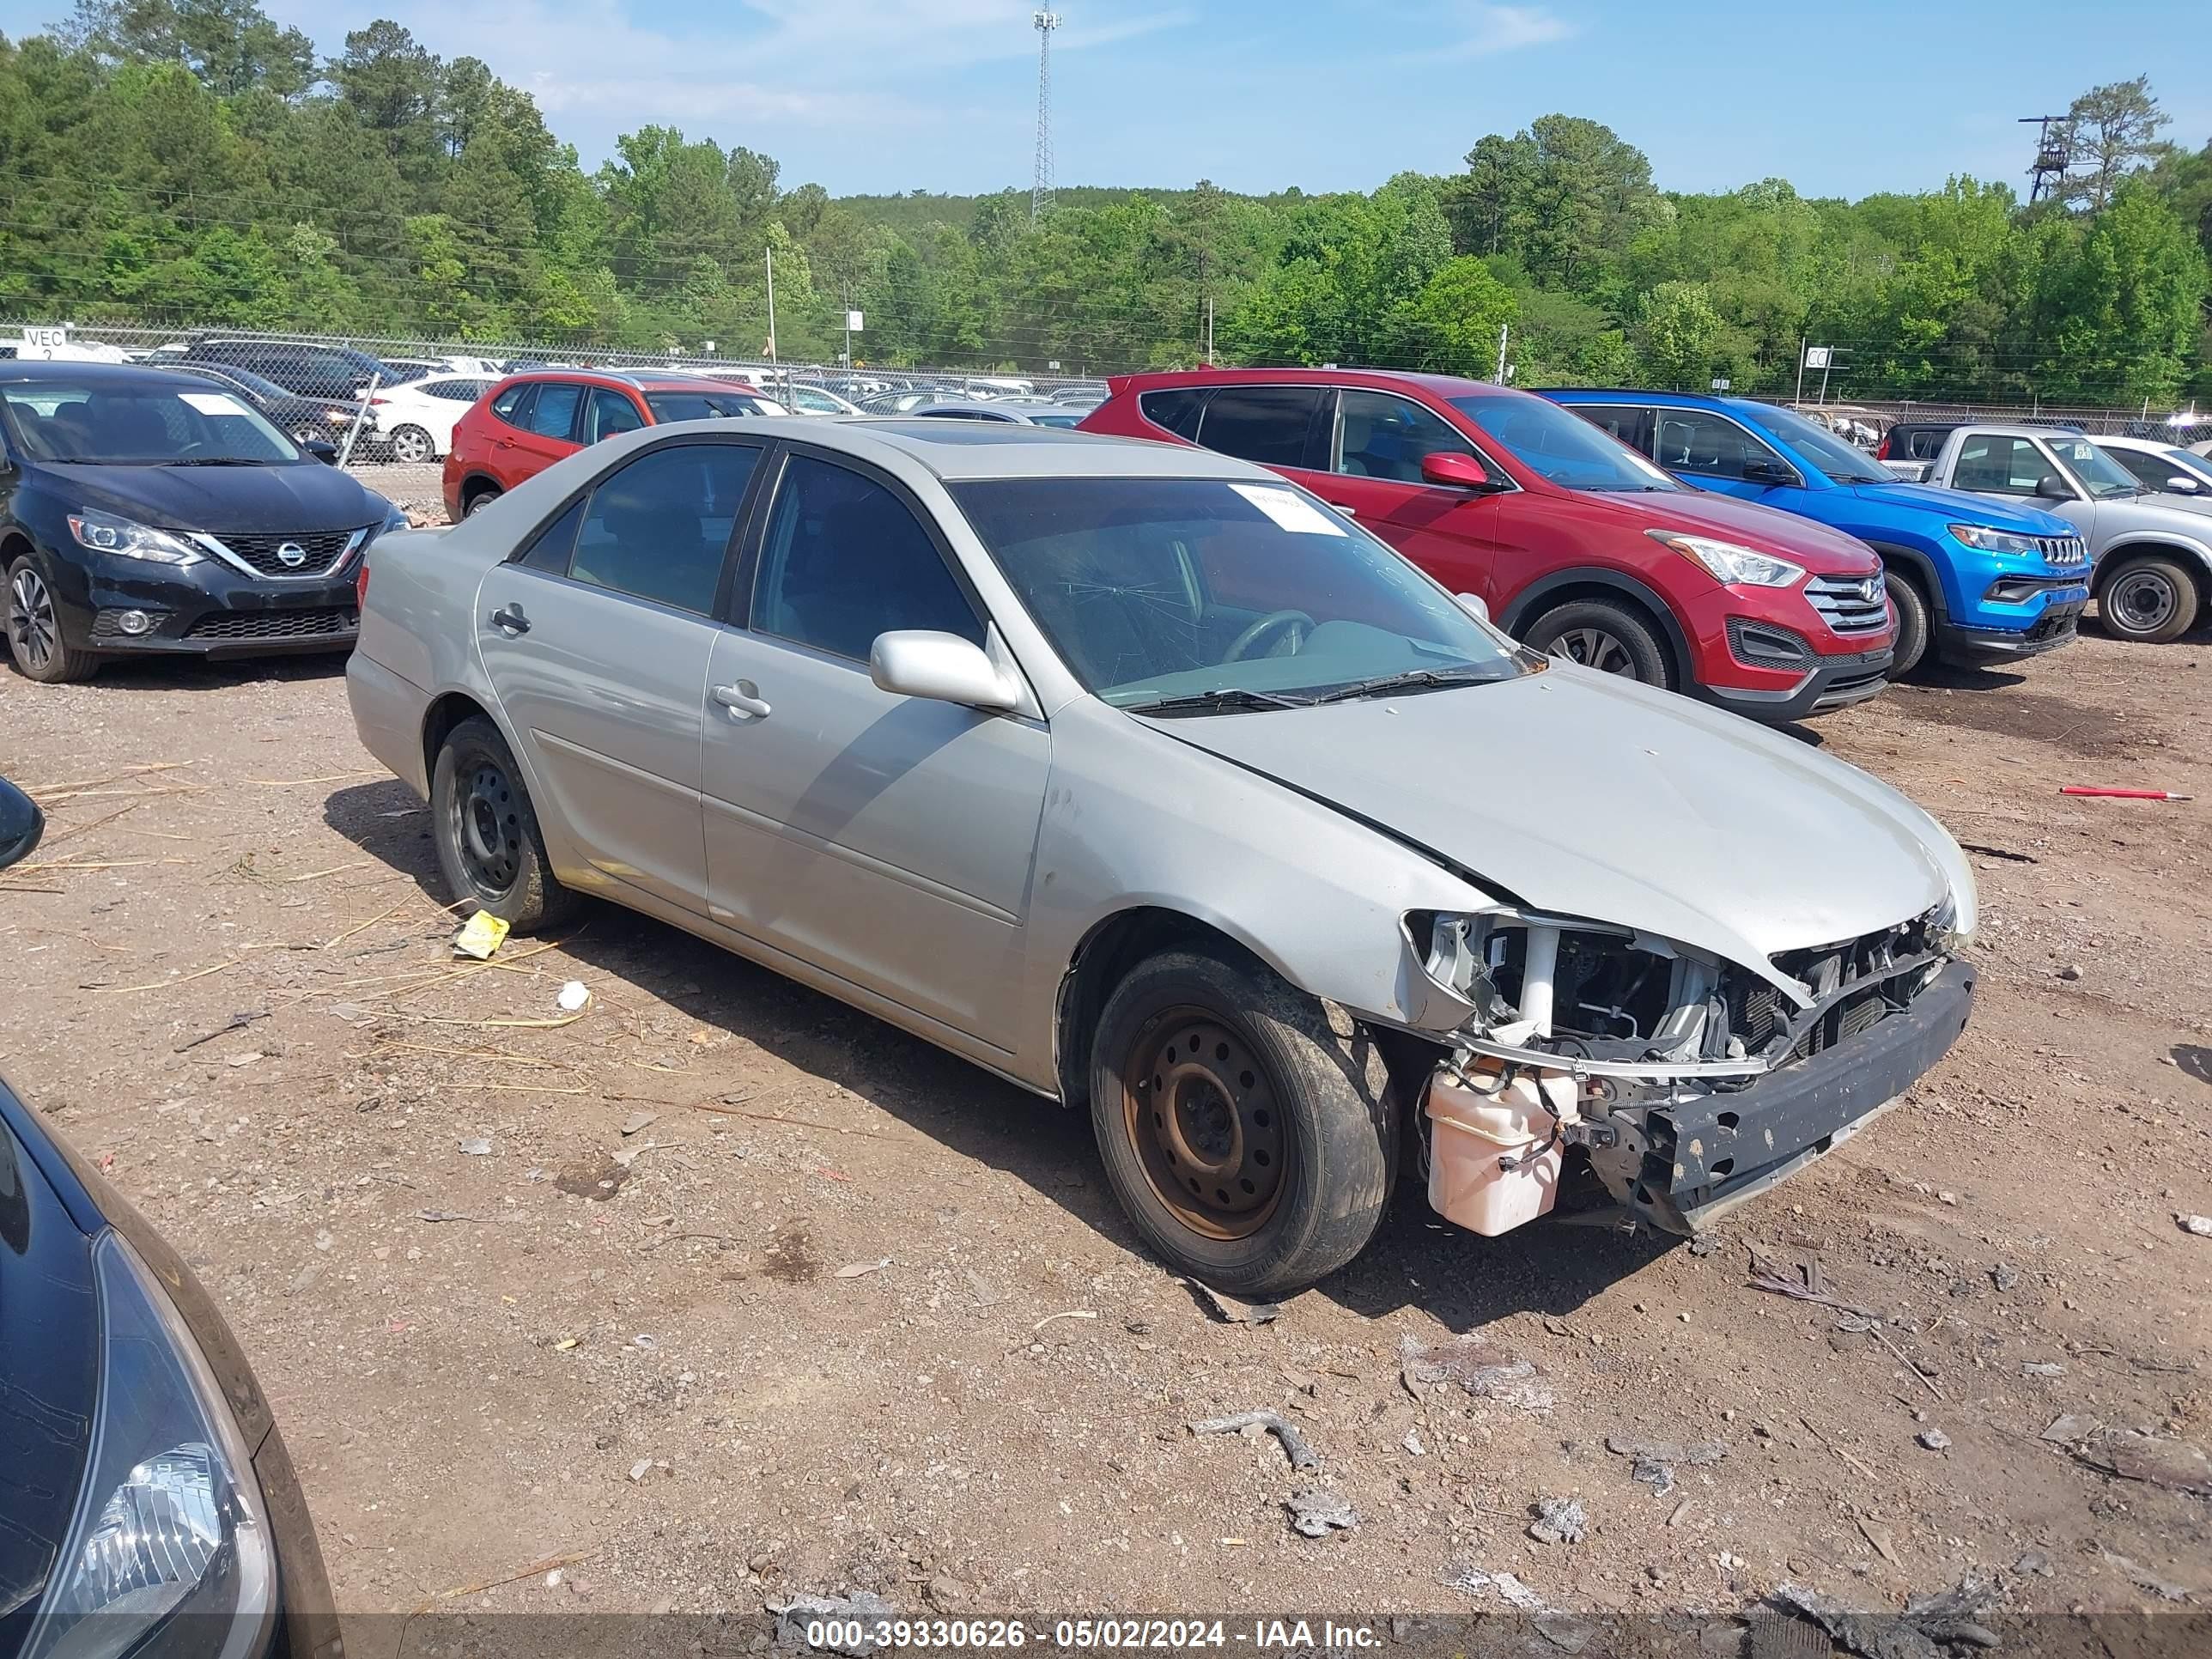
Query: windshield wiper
[1414, 679]
[1221, 696]
[212, 460]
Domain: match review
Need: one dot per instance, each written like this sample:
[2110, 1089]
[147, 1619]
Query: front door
[1375, 476]
[597, 639]
[886, 839]
[1724, 456]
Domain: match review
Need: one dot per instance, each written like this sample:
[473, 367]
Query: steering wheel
[1264, 627]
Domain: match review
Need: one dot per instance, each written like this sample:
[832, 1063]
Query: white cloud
[1476, 28]
[839, 64]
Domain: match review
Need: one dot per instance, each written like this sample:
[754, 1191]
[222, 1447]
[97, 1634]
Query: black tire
[30, 617]
[478, 498]
[1295, 1098]
[1614, 638]
[2149, 600]
[1912, 622]
[489, 848]
[411, 446]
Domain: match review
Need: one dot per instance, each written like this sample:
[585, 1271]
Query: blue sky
[1842, 97]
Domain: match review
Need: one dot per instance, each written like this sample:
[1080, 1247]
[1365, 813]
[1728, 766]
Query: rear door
[544, 429]
[886, 839]
[1375, 448]
[597, 638]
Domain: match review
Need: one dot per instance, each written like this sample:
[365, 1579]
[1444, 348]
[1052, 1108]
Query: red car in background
[528, 421]
[1579, 546]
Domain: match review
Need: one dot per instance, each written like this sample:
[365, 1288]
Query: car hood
[1972, 510]
[1823, 551]
[245, 500]
[2195, 507]
[1585, 795]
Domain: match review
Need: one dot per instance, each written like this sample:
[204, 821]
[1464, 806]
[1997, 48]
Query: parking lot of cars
[749, 1293]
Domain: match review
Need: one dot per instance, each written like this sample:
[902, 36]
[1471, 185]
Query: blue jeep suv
[1974, 579]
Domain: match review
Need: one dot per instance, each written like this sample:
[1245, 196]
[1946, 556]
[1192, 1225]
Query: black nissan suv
[143, 510]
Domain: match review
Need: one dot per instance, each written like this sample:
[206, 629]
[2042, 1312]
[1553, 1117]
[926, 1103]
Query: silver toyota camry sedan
[1141, 778]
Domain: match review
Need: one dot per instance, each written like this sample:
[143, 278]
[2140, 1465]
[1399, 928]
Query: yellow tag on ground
[480, 935]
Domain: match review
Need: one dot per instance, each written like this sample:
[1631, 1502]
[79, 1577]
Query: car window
[1380, 436]
[549, 548]
[1628, 423]
[1270, 425]
[657, 528]
[845, 560]
[1991, 465]
[2151, 471]
[1564, 448]
[1707, 445]
[707, 405]
[1177, 410]
[508, 405]
[612, 412]
[553, 415]
[2092, 467]
[143, 423]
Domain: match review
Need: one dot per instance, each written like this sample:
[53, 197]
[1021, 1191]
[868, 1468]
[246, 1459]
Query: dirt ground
[721, 1290]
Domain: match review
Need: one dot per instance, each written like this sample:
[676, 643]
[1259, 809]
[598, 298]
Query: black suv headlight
[170, 1535]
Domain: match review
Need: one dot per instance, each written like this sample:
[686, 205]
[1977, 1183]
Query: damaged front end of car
[1689, 1082]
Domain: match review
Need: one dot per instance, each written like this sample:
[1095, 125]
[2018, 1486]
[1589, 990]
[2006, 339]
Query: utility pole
[1209, 331]
[1041, 181]
[1803, 340]
[1504, 329]
[771, 304]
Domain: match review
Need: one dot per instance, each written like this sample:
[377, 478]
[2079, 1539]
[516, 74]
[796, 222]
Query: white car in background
[2162, 468]
[417, 419]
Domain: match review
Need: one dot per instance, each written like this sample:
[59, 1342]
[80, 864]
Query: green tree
[2113, 129]
[1680, 335]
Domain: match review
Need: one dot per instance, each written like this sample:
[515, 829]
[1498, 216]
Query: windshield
[2100, 474]
[141, 424]
[1153, 589]
[1561, 447]
[700, 405]
[1843, 463]
[242, 377]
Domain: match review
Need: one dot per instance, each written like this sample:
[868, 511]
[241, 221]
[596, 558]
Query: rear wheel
[34, 630]
[413, 446]
[489, 848]
[2149, 600]
[1600, 634]
[1911, 623]
[477, 499]
[1249, 1140]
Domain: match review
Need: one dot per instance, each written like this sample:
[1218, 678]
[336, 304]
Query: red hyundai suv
[528, 421]
[1580, 546]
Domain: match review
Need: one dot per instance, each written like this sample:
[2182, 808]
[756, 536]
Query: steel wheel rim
[1593, 648]
[1202, 1116]
[487, 829]
[410, 445]
[2145, 603]
[33, 632]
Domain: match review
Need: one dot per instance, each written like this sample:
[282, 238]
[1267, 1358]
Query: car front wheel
[34, 630]
[1601, 634]
[2148, 601]
[489, 848]
[1912, 624]
[1250, 1138]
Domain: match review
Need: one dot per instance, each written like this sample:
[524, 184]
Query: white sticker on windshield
[1288, 509]
[213, 403]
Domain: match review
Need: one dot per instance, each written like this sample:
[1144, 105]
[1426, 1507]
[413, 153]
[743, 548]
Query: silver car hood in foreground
[1584, 795]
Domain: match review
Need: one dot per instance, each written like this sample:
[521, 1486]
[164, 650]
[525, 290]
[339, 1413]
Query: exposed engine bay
[1686, 1080]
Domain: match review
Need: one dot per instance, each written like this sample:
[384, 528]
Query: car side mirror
[1455, 471]
[1475, 604]
[326, 452]
[918, 662]
[21, 824]
[1765, 469]
[2182, 484]
[2053, 488]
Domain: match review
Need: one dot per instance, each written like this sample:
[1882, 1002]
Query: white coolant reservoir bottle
[1494, 1155]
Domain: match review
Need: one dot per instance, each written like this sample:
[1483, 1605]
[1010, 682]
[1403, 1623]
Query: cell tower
[1041, 183]
[2054, 153]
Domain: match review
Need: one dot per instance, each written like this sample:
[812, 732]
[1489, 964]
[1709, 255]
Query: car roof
[20, 370]
[1441, 385]
[960, 450]
[634, 379]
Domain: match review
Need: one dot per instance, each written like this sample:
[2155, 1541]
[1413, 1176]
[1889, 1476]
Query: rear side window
[1177, 410]
[508, 405]
[553, 415]
[658, 528]
[1268, 425]
[1631, 425]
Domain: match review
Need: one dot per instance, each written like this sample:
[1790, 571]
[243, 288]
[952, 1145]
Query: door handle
[743, 699]
[510, 621]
